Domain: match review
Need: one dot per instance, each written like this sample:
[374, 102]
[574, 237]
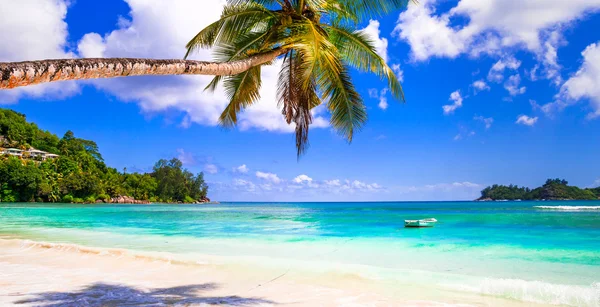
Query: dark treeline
[553, 189]
[79, 173]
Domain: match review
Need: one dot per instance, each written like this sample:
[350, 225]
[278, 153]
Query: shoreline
[262, 282]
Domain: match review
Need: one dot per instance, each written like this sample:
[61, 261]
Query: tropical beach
[299, 153]
[301, 254]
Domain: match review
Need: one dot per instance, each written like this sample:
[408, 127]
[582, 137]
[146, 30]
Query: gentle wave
[569, 208]
[538, 292]
[109, 252]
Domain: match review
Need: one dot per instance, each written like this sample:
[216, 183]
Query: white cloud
[513, 87]
[492, 25]
[457, 100]
[427, 34]
[487, 121]
[242, 169]
[480, 85]
[380, 43]
[382, 97]
[526, 120]
[161, 29]
[302, 187]
[35, 30]
[496, 73]
[586, 82]
[269, 177]
[398, 71]
[333, 183]
[92, 46]
[302, 178]
[246, 185]
[383, 104]
[211, 169]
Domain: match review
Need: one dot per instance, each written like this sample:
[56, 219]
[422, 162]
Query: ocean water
[539, 252]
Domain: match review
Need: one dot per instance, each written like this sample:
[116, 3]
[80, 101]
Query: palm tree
[315, 40]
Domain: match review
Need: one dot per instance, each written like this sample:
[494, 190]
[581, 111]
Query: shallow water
[543, 252]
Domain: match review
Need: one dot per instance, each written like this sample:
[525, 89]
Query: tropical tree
[315, 39]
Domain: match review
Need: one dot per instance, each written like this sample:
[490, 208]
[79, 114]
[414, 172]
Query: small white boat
[420, 223]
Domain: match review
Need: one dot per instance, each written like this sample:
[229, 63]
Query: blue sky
[497, 92]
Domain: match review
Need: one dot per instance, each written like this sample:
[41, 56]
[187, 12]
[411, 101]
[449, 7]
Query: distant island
[553, 189]
[38, 166]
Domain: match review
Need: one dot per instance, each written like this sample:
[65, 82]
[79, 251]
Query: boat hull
[419, 223]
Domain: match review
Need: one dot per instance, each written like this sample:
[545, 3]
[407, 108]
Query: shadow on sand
[102, 295]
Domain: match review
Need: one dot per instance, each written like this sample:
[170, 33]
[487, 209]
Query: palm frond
[295, 100]
[245, 45]
[348, 113]
[236, 20]
[242, 91]
[343, 101]
[365, 9]
[357, 50]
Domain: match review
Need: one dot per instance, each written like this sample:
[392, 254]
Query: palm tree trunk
[18, 74]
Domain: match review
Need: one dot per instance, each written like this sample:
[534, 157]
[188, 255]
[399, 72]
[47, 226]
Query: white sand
[43, 274]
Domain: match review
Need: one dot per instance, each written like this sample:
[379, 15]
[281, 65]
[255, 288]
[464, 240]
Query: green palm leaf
[319, 44]
[357, 49]
[242, 91]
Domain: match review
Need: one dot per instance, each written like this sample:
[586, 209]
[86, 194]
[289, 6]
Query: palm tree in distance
[316, 41]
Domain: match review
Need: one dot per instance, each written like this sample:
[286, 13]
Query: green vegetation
[553, 189]
[79, 174]
[319, 43]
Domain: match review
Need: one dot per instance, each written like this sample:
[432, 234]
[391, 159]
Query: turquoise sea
[542, 252]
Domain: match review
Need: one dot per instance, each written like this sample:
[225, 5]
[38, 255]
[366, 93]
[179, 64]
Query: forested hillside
[79, 173]
[553, 189]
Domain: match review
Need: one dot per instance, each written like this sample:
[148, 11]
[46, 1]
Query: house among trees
[32, 153]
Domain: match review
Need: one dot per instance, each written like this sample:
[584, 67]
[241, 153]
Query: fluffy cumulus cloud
[457, 101]
[513, 85]
[304, 187]
[380, 43]
[428, 34]
[480, 85]
[160, 29]
[242, 169]
[585, 84]
[269, 185]
[35, 30]
[492, 27]
[497, 71]
[526, 120]
[269, 177]
[302, 179]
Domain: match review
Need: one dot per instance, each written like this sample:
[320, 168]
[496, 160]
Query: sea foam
[538, 292]
[568, 208]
